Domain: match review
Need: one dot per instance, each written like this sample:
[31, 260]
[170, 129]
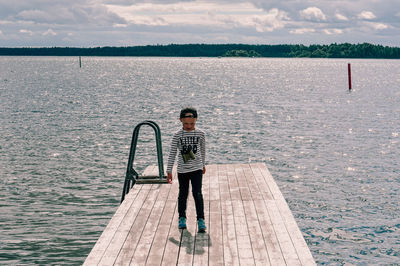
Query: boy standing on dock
[191, 144]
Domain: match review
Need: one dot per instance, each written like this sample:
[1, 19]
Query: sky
[94, 23]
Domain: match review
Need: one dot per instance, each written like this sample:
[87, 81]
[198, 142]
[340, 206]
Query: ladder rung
[150, 177]
[151, 180]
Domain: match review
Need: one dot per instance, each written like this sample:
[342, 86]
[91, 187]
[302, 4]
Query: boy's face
[188, 123]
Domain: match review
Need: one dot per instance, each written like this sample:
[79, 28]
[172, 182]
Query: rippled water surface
[65, 135]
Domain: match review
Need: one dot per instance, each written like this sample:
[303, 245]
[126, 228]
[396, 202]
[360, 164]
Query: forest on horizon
[345, 50]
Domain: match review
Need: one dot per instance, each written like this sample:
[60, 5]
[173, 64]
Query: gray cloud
[132, 2]
[58, 12]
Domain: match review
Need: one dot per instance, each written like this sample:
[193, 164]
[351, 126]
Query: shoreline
[345, 50]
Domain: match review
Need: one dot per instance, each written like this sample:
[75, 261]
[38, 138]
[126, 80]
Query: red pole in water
[349, 74]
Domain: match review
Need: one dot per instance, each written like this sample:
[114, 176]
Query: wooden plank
[150, 170]
[257, 210]
[275, 252]
[270, 238]
[230, 246]
[223, 183]
[233, 183]
[142, 250]
[215, 235]
[246, 256]
[254, 189]
[157, 251]
[259, 246]
[261, 182]
[212, 191]
[131, 237]
[210, 175]
[259, 253]
[287, 248]
[242, 182]
[256, 235]
[215, 244]
[292, 228]
[173, 245]
[285, 242]
[245, 251]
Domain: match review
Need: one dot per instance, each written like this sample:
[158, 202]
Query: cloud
[341, 17]
[275, 19]
[302, 31]
[135, 2]
[24, 31]
[117, 25]
[332, 31]
[33, 15]
[368, 15]
[204, 14]
[59, 12]
[376, 25]
[49, 32]
[313, 13]
[179, 8]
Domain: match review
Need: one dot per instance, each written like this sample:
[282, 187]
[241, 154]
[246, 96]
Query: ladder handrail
[131, 174]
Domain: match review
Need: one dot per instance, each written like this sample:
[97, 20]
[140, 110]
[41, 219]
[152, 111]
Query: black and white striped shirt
[182, 141]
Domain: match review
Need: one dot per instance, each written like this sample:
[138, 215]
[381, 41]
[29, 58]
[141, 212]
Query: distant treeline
[345, 50]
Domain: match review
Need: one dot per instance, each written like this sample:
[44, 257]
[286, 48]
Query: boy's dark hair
[188, 112]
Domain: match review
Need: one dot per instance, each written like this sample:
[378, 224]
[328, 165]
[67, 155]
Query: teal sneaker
[201, 225]
[182, 223]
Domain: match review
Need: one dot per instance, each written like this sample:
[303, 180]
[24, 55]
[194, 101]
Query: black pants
[196, 178]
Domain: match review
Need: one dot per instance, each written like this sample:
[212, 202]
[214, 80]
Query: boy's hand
[204, 170]
[169, 178]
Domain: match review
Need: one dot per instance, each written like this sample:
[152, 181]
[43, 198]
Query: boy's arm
[203, 151]
[172, 154]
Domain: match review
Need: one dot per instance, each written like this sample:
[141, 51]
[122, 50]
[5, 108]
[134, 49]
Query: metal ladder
[132, 177]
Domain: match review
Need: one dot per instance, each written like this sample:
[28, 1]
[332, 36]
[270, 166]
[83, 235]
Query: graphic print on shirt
[189, 144]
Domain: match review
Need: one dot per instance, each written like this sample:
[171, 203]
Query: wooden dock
[248, 223]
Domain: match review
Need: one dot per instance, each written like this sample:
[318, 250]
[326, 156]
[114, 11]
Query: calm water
[65, 136]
